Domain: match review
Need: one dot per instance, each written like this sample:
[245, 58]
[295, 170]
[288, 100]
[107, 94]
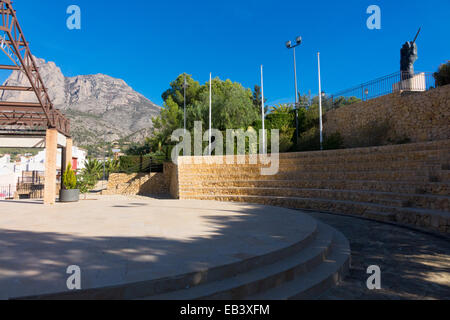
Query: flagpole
[263, 111]
[210, 112]
[320, 104]
[184, 103]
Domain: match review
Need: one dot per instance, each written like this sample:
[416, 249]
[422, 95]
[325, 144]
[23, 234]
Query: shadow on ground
[414, 265]
[37, 260]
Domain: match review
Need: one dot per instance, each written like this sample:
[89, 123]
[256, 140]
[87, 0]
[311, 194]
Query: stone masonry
[415, 116]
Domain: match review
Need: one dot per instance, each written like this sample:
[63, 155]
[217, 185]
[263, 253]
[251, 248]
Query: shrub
[372, 134]
[310, 141]
[333, 141]
[443, 75]
[86, 182]
[69, 179]
[136, 164]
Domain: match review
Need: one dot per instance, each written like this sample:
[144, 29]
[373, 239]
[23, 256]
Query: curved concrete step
[434, 150]
[298, 166]
[405, 187]
[435, 220]
[382, 175]
[317, 281]
[265, 277]
[433, 202]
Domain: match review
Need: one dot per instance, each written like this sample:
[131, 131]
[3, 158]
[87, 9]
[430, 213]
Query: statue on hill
[409, 56]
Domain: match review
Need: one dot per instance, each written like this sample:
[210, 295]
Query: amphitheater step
[316, 282]
[298, 166]
[408, 216]
[266, 277]
[415, 151]
[383, 198]
[395, 175]
[378, 186]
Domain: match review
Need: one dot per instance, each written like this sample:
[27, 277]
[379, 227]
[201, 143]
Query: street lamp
[290, 45]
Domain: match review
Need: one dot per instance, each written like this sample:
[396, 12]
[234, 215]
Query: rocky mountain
[101, 108]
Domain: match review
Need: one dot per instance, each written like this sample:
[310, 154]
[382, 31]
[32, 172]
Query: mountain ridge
[99, 106]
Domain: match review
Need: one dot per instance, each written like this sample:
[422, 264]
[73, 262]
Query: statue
[409, 56]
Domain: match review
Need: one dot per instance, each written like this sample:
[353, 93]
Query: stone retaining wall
[407, 184]
[407, 116]
[144, 184]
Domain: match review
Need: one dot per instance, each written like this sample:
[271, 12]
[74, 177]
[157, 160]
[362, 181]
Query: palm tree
[282, 108]
[93, 167]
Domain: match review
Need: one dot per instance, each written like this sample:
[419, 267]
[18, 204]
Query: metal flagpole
[210, 112]
[185, 103]
[320, 104]
[262, 111]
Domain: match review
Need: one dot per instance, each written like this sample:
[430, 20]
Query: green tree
[93, 167]
[282, 117]
[232, 106]
[257, 97]
[176, 91]
[442, 76]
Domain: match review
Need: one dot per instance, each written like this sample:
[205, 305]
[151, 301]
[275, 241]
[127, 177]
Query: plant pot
[72, 195]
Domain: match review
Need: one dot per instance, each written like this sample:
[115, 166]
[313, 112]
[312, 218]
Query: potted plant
[69, 191]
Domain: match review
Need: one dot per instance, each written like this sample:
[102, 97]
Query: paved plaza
[117, 240]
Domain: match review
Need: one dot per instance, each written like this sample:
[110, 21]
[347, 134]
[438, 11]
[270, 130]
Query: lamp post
[290, 45]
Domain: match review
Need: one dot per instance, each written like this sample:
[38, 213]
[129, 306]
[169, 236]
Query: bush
[310, 141]
[69, 179]
[138, 164]
[443, 75]
[333, 141]
[86, 182]
[372, 134]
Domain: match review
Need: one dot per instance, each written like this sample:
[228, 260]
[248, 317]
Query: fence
[34, 177]
[140, 164]
[7, 191]
[22, 191]
[396, 82]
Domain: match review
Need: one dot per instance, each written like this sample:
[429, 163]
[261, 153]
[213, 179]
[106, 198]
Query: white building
[11, 171]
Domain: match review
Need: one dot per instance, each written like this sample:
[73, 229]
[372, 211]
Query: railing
[34, 177]
[30, 191]
[396, 82]
[140, 164]
[7, 191]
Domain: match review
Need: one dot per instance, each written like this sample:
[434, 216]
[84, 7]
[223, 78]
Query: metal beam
[9, 67]
[19, 104]
[16, 88]
[17, 50]
[21, 109]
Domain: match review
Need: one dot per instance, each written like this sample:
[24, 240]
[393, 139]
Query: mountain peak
[96, 104]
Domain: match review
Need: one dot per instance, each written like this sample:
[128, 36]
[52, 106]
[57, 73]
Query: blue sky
[148, 43]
